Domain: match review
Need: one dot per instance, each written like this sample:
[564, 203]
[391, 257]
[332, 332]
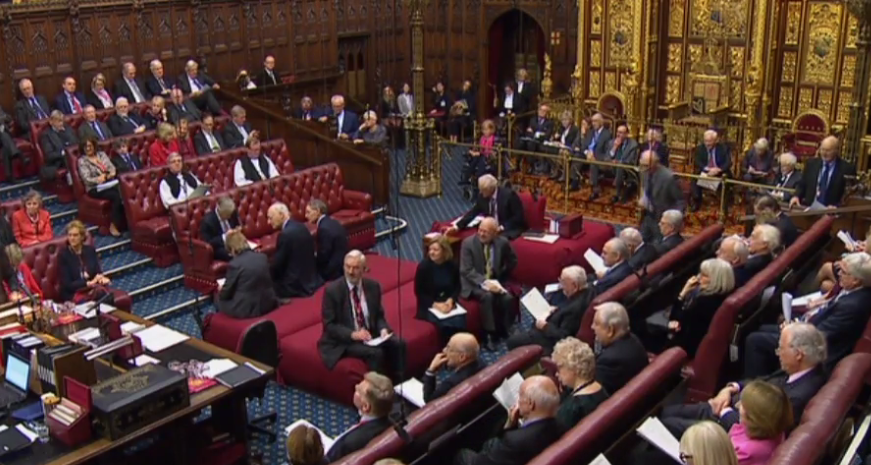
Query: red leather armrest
[355, 200]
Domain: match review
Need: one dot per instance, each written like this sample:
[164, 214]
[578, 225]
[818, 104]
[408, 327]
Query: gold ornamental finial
[547, 81]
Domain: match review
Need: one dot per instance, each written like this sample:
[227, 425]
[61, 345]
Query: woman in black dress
[576, 370]
[81, 278]
[437, 287]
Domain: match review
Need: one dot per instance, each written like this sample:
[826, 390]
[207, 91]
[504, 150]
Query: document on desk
[87, 310]
[508, 391]
[131, 327]
[457, 311]
[471, 224]
[217, 366]
[536, 304]
[595, 261]
[107, 185]
[654, 432]
[326, 441]
[600, 460]
[412, 391]
[547, 238]
[375, 342]
[144, 359]
[157, 338]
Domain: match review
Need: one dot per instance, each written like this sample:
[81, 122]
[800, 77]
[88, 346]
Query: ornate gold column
[422, 170]
[753, 78]
[579, 76]
[861, 9]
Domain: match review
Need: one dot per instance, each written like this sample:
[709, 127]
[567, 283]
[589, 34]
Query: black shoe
[489, 344]
[593, 196]
[615, 199]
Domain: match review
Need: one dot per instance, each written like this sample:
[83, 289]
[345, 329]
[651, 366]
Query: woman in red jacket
[166, 143]
[184, 139]
[22, 283]
[32, 224]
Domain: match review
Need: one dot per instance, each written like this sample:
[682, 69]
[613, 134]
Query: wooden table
[229, 413]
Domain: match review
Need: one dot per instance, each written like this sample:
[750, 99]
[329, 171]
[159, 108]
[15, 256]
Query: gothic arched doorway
[516, 40]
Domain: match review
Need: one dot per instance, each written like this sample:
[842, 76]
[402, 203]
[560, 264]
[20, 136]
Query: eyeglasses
[685, 458]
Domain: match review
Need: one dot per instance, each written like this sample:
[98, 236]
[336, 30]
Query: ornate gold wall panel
[706, 16]
[844, 99]
[823, 35]
[595, 53]
[793, 23]
[736, 97]
[596, 17]
[695, 59]
[848, 71]
[789, 62]
[621, 31]
[736, 55]
[675, 58]
[610, 81]
[675, 18]
[784, 103]
[824, 101]
[852, 31]
[805, 99]
[672, 89]
[594, 84]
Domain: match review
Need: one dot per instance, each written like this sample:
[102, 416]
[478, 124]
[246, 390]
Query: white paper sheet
[547, 238]
[815, 206]
[144, 360]
[325, 440]
[458, 310]
[412, 391]
[600, 460]
[495, 282]
[536, 304]
[157, 338]
[595, 261]
[252, 245]
[375, 342]
[786, 304]
[508, 391]
[131, 327]
[87, 310]
[107, 185]
[216, 366]
[27, 432]
[654, 432]
[553, 287]
[475, 221]
[847, 239]
[710, 183]
[221, 282]
[805, 300]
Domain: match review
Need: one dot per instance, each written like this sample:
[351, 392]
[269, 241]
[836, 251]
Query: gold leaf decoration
[848, 71]
[594, 84]
[805, 99]
[821, 57]
[793, 23]
[595, 53]
[675, 58]
[672, 89]
[789, 62]
[824, 101]
[675, 18]
[784, 103]
[620, 30]
[844, 99]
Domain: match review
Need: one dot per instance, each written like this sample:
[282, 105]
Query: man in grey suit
[595, 143]
[486, 262]
[91, 128]
[621, 149]
[660, 192]
[247, 292]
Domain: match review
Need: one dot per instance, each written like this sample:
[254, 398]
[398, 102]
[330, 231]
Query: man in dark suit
[764, 241]
[373, 398]
[69, 101]
[840, 317]
[267, 76]
[530, 429]
[460, 357]
[670, 227]
[199, 87]
[621, 149]
[131, 87]
[158, 83]
[823, 179]
[247, 291]
[540, 129]
[654, 144]
[567, 308]
[180, 108]
[293, 265]
[307, 110]
[660, 192]
[91, 128]
[712, 159]
[56, 140]
[734, 250]
[641, 254]
[501, 203]
[207, 140]
[347, 122]
[486, 262]
[767, 211]
[802, 353]
[8, 149]
[615, 254]
[596, 141]
[787, 177]
[217, 224]
[620, 355]
[123, 122]
[237, 131]
[31, 107]
[332, 240]
[123, 160]
[526, 92]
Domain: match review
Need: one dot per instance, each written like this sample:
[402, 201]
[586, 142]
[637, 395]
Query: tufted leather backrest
[714, 347]
[216, 169]
[533, 210]
[139, 143]
[617, 415]
[823, 416]
[36, 128]
[446, 410]
[9, 207]
[141, 193]
[73, 163]
[277, 151]
[42, 259]
[662, 265]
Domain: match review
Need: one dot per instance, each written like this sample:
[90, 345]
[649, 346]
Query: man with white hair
[670, 227]
[129, 86]
[615, 254]
[824, 178]
[659, 192]
[530, 429]
[758, 162]
[347, 122]
[158, 83]
[31, 107]
[712, 159]
[564, 320]
[217, 223]
[653, 142]
[352, 316]
[124, 122]
[841, 316]
[199, 88]
[620, 355]
[640, 253]
[370, 132]
[763, 242]
[238, 130]
[787, 177]
[501, 203]
[734, 250]
[293, 266]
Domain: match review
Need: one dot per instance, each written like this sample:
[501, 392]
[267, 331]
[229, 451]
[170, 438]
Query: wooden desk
[228, 411]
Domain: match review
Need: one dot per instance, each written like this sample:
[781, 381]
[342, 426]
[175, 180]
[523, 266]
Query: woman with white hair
[576, 370]
[758, 162]
[370, 132]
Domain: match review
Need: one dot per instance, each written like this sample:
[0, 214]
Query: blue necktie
[98, 130]
[39, 113]
[823, 184]
[130, 161]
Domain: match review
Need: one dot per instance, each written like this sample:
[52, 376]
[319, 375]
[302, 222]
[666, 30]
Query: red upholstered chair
[28, 150]
[9, 207]
[150, 229]
[91, 210]
[808, 131]
[58, 185]
[611, 105]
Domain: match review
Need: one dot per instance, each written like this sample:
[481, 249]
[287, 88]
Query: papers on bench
[471, 224]
[107, 185]
[218, 366]
[799, 303]
[458, 310]
[144, 360]
[508, 391]
[325, 440]
[546, 238]
[157, 338]
[87, 310]
[412, 391]
[654, 432]
[595, 261]
[600, 460]
[377, 341]
[710, 183]
[536, 304]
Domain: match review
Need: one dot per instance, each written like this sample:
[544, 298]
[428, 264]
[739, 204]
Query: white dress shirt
[509, 102]
[166, 194]
[241, 129]
[239, 174]
[339, 120]
[134, 89]
[194, 86]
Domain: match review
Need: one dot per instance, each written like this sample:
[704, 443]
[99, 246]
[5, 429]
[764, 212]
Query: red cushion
[390, 272]
[153, 228]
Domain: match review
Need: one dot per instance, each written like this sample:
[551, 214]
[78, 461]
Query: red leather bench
[618, 415]
[824, 416]
[19, 170]
[449, 410]
[217, 169]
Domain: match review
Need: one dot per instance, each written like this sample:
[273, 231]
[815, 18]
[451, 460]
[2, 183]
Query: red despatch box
[79, 430]
[570, 226]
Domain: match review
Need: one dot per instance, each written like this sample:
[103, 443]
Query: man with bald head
[486, 262]
[499, 202]
[30, 107]
[531, 427]
[823, 180]
[712, 159]
[293, 266]
[129, 86]
[347, 122]
[660, 192]
[615, 254]
[641, 254]
[459, 358]
[734, 250]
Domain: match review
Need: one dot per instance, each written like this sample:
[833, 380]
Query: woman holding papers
[706, 443]
[576, 370]
[437, 287]
[99, 177]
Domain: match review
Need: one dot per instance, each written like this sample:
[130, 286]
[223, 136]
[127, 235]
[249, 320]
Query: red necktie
[712, 159]
[358, 309]
[77, 105]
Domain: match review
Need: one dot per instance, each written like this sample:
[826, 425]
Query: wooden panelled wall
[47, 40]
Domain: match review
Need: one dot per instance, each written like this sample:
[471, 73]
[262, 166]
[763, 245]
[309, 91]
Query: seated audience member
[734, 250]
[306, 110]
[178, 184]
[712, 159]
[124, 161]
[460, 358]
[540, 129]
[217, 223]
[184, 139]
[620, 355]
[255, 166]
[95, 169]
[486, 263]
[243, 81]
[123, 122]
[595, 144]
[640, 253]
[764, 241]
[670, 227]
[332, 240]
[437, 288]
[91, 128]
[758, 162]
[22, 284]
[237, 130]
[441, 102]
[621, 149]
[247, 291]
[129, 86]
[79, 274]
[157, 83]
[788, 177]
[371, 131]
[347, 121]
[180, 108]
[32, 224]
[660, 193]
[841, 317]
[615, 254]
[824, 178]
[69, 100]
[388, 106]
[567, 136]
[530, 429]
[55, 141]
[576, 370]
[802, 352]
[763, 419]
[767, 211]
[653, 142]
[165, 144]
[500, 203]
[30, 107]
[200, 88]
[207, 140]
[352, 313]
[567, 309]
[482, 159]
[304, 446]
[156, 114]
[827, 273]
[293, 268]
[373, 399]
[707, 444]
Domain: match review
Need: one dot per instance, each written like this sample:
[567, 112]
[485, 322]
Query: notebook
[239, 375]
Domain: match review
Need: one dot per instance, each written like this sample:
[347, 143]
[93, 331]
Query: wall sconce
[555, 38]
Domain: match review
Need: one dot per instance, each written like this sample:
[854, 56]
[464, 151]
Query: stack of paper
[87, 309]
[536, 304]
[216, 366]
[547, 238]
[847, 239]
[157, 338]
[131, 327]
[654, 432]
[375, 342]
[595, 261]
[144, 360]
[325, 440]
[412, 391]
[508, 392]
[458, 310]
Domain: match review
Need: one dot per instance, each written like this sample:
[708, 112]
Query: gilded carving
[672, 89]
[610, 81]
[844, 99]
[793, 23]
[736, 96]
[675, 18]
[784, 104]
[789, 63]
[852, 31]
[594, 84]
[724, 16]
[736, 56]
[596, 19]
[595, 53]
[821, 58]
[824, 101]
[620, 30]
[805, 99]
[848, 70]
[675, 58]
[695, 56]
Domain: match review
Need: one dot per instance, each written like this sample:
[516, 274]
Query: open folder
[536, 304]
[508, 392]
[654, 432]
